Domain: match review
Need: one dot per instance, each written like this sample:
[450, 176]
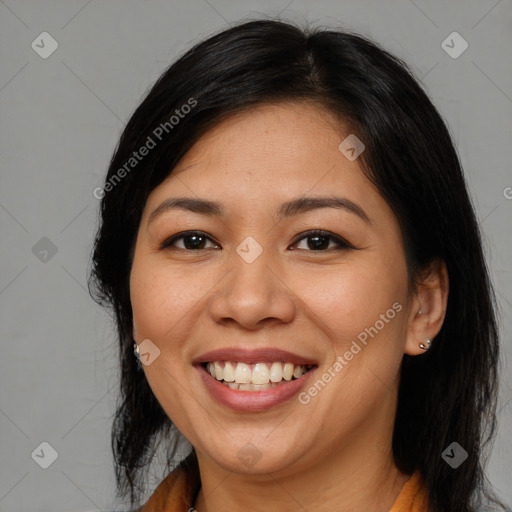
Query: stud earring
[425, 346]
[419, 312]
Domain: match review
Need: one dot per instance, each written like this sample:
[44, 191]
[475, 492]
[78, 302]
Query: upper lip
[259, 355]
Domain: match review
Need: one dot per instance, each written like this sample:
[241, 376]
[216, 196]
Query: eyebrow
[288, 209]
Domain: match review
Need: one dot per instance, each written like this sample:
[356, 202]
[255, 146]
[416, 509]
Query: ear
[428, 306]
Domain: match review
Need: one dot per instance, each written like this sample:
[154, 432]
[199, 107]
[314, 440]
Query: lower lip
[253, 400]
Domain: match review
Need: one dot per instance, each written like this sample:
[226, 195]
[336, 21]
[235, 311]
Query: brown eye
[321, 241]
[192, 241]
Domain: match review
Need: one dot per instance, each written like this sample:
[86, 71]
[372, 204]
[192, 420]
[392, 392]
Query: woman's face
[255, 289]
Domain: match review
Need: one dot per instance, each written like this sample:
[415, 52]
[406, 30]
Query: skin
[333, 453]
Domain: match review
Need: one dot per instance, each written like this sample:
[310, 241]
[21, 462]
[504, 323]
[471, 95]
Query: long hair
[447, 395]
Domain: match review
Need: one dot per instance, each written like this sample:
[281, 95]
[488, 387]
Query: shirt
[178, 491]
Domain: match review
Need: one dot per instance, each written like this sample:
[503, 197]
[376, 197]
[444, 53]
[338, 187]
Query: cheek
[158, 300]
[362, 313]
[162, 305]
[351, 299]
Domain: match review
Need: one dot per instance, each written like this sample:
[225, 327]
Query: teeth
[249, 387]
[243, 373]
[229, 372]
[276, 372]
[297, 371]
[260, 374]
[288, 371]
[255, 377]
[219, 372]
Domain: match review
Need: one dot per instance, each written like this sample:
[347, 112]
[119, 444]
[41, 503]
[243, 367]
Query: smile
[253, 380]
[257, 376]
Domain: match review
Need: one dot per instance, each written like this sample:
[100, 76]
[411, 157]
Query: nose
[253, 294]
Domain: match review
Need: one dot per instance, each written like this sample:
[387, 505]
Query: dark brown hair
[445, 395]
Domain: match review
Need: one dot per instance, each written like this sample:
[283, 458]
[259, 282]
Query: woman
[288, 244]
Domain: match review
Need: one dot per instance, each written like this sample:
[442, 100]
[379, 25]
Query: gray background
[60, 120]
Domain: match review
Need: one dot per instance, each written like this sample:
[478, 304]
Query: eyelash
[341, 243]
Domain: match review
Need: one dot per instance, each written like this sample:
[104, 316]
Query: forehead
[270, 132]
[270, 152]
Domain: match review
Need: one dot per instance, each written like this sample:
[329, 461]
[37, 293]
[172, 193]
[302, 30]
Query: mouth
[255, 376]
[253, 380]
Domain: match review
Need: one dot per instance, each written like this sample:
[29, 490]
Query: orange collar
[413, 497]
[178, 491]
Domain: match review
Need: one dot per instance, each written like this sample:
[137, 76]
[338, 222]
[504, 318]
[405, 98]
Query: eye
[319, 241]
[192, 241]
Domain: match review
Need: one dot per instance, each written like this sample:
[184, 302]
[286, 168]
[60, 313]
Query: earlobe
[430, 302]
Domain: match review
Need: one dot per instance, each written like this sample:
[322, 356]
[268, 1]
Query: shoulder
[178, 489]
